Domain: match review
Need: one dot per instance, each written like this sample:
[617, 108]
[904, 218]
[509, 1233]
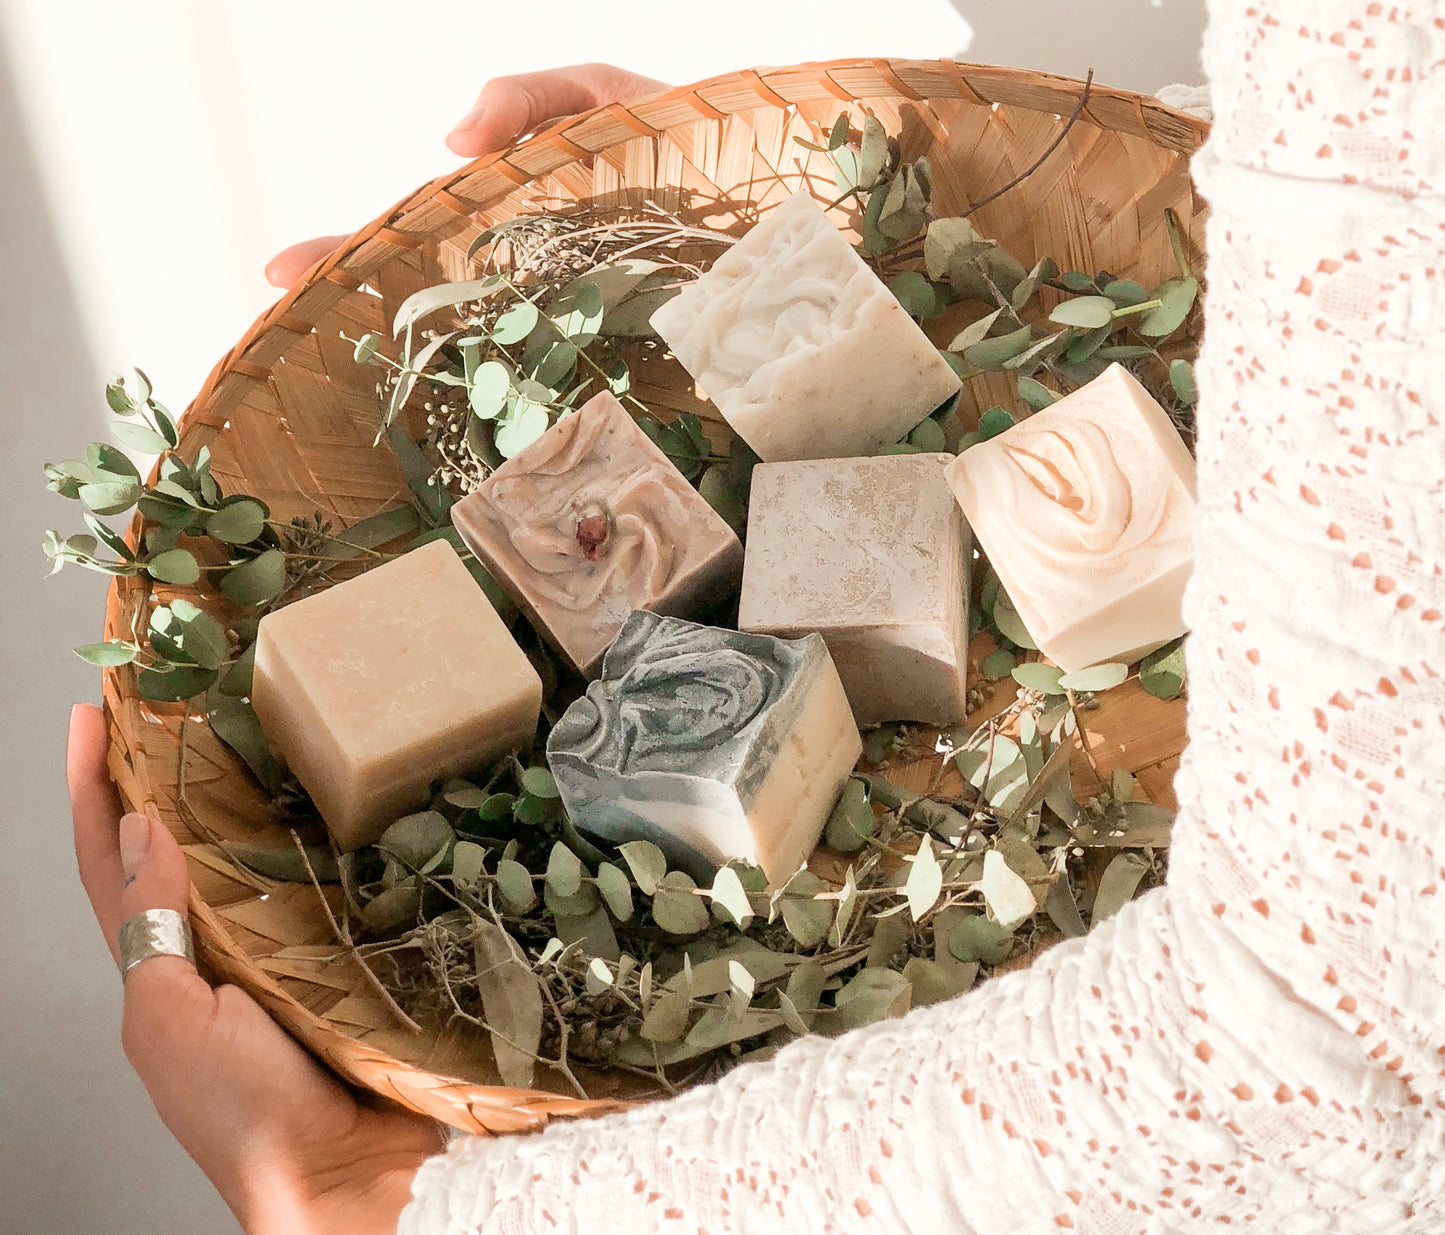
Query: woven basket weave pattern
[290, 417]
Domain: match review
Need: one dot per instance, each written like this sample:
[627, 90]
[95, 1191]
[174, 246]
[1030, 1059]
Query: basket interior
[290, 417]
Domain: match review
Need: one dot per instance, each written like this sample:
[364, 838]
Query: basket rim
[450, 201]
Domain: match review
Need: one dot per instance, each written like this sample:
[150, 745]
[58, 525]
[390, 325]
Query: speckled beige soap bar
[802, 347]
[1086, 511]
[872, 554]
[379, 686]
[592, 521]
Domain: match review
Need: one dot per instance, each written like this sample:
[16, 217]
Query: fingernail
[135, 842]
[470, 119]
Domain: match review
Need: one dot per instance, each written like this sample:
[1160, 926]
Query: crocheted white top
[1260, 1043]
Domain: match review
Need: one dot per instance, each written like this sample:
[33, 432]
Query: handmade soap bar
[801, 346]
[376, 687]
[872, 554]
[1086, 510]
[592, 521]
[709, 743]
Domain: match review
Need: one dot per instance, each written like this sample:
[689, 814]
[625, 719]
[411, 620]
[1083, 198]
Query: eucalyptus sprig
[559, 298]
[1099, 320]
[195, 536]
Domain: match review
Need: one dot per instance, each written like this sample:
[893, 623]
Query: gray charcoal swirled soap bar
[710, 743]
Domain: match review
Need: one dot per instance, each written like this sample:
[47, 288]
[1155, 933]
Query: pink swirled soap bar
[592, 521]
[1086, 511]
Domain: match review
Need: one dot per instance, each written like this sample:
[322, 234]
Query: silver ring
[153, 932]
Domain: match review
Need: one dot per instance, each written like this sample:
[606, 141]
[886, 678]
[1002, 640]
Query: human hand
[506, 108]
[288, 1147]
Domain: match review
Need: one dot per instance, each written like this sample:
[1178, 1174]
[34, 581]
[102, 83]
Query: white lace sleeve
[1260, 1044]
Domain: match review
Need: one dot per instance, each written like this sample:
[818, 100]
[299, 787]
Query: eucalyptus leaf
[564, 870]
[916, 294]
[139, 437]
[418, 840]
[976, 939]
[1007, 895]
[928, 436]
[1095, 677]
[807, 919]
[468, 860]
[1035, 393]
[1177, 297]
[391, 910]
[515, 884]
[1181, 377]
[511, 1002]
[285, 863]
[487, 394]
[930, 982]
[1037, 676]
[592, 930]
[995, 420]
[852, 822]
[420, 304]
[730, 899]
[238, 521]
[647, 863]
[616, 890]
[676, 908]
[539, 783]
[872, 152]
[1006, 617]
[515, 323]
[521, 430]
[111, 497]
[974, 332]
[1124, 293]
[991, 354]
[1117, 885]
[1162, 673]
[925, 880]
[174, 685]
[578, 313]
[256, 581]
[997, 665]
[1063, 910]
[872, 995]
[108, 654]
[667, 1019]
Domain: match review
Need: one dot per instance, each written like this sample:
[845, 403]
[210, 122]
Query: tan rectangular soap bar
[709, 743]
[802, 347]
[592, 521]
[872, 554]
[1086, 511]
[379, 686]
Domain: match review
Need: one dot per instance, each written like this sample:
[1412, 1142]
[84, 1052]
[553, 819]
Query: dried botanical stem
[1084, 741]
[343, 937]
[1043, 158]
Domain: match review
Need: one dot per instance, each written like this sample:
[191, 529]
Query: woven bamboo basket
[288, 416]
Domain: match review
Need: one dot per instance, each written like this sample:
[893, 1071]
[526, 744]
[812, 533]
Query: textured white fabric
[1260, 1044]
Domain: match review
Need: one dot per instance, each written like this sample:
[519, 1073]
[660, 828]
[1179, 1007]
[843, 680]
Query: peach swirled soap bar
[872, 554]
[799, 344]
[709, 743]
[1086, 511]
[592, 521]
[379, 686]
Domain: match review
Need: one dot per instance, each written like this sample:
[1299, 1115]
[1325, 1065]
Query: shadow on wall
[1134, 44]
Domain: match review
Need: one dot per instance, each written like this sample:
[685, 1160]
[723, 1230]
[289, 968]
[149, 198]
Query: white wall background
[153, 155]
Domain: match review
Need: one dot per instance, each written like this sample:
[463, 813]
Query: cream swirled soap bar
[592, 521]
[709, 743]
[799, 344]
[375, 688]
[872, 554]
[1086, 511]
